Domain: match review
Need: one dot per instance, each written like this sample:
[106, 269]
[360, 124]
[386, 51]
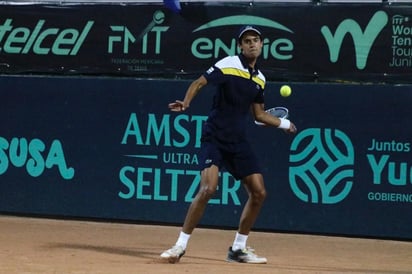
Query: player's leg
[239, 252]
[256, 195]
[208, 186]
[207, 189]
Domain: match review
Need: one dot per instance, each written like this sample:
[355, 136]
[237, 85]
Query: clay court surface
[39, 245]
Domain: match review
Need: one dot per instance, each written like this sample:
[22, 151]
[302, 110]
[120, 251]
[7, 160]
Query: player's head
[248, 29]
[250, 41]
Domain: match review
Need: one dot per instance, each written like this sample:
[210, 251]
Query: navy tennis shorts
[238, 159]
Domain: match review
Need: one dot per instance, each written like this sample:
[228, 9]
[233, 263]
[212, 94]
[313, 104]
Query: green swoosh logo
[243, 20]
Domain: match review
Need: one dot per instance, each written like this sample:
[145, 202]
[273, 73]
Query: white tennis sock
[183, 239]
[239, 242]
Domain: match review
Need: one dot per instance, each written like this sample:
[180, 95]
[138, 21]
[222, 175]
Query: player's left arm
[260, 115]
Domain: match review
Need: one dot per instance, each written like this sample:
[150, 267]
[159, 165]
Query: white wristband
[284, 123]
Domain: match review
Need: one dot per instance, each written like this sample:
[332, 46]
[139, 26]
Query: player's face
[251, 45]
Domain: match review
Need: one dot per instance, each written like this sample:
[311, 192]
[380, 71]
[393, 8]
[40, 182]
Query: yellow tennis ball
[285, 90]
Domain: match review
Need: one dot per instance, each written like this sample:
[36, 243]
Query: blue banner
[109, 148]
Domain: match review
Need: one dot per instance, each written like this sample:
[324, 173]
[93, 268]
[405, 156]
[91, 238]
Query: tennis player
[240, 85]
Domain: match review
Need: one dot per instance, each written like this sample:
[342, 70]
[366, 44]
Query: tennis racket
[280, 112]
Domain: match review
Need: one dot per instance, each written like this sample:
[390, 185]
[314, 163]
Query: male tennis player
[240, 86]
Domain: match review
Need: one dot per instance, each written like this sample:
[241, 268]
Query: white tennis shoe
[173, 254]
[246, 255]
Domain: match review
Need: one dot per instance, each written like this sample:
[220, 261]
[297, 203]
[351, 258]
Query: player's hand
[292, 129]
[177, 106]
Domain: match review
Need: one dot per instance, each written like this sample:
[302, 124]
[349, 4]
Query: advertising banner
[110, 148]
[302, 41]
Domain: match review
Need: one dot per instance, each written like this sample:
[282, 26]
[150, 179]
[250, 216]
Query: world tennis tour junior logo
[363, 40]
[321, 166]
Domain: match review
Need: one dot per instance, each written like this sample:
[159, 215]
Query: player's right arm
[191, 92]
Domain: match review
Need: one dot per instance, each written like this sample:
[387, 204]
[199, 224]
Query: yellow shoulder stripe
[243, 74]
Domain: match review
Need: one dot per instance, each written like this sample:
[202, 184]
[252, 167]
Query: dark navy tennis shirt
[237, 87]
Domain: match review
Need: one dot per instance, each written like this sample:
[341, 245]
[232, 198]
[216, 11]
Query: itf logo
[321, 166]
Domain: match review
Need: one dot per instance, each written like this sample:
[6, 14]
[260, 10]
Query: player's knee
[258, 196]
[206, 192]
